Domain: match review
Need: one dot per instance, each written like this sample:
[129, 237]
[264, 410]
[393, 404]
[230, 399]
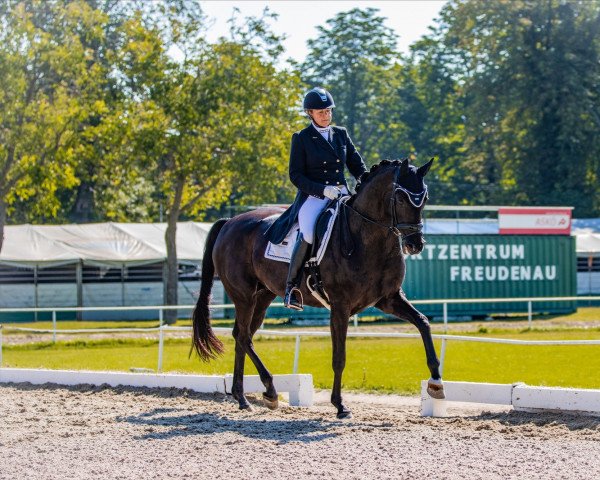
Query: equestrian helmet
[318, 99]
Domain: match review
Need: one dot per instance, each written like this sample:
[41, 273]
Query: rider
[318, 156]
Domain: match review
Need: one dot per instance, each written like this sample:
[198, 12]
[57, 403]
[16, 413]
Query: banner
[534, 221]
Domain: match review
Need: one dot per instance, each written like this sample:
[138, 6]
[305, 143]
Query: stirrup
[298, 305]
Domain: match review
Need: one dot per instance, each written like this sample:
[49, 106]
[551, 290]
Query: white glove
[332, 192]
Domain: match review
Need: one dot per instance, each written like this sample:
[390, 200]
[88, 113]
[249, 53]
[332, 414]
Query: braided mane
[365, 177]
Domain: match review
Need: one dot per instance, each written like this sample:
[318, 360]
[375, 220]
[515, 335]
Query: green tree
[352, 58]
[531, 86]
[215, 124]
[110, 186]
[50, 84]
[428, 102]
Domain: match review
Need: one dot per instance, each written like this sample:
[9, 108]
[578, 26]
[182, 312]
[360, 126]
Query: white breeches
[309, 211]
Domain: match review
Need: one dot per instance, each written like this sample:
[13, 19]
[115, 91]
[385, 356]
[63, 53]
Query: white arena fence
[161, 330]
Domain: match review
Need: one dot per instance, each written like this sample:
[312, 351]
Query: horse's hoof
[246, 406]
[271, 403]
[344, 415]
[435, 389]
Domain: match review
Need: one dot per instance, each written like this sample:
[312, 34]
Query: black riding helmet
[318, 99]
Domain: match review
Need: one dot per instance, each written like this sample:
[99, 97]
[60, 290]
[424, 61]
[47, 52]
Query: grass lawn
[583, 314]
[386, 365]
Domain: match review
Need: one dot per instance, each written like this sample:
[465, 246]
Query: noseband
[400, 230]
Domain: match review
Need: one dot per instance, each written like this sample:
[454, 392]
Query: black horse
[384, 222]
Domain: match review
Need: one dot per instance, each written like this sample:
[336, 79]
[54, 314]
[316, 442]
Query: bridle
[401, 230]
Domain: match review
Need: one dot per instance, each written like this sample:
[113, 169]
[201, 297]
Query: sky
[298, 20]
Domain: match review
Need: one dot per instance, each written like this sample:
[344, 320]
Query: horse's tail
[204, 341]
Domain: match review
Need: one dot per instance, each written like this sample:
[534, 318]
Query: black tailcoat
[315, 164]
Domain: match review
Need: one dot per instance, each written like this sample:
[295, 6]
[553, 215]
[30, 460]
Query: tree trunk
[2, 221]
[172, 264]
[83, 209]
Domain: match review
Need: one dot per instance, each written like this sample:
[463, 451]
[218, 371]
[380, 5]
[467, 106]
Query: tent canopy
[588, 244]
[104, 244]
[112, 244]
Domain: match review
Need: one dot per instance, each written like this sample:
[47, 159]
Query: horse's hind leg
[244, 308]
[399, 306]
[249, 317]
[237, 389]
[263, 299]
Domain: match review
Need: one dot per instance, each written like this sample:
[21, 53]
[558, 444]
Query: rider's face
[322, 117]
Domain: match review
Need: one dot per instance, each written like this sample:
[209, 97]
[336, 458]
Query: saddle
[321, 225]
[324, 226]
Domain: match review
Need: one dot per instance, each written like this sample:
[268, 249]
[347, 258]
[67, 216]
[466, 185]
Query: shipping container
[487, 266]
[493, 266]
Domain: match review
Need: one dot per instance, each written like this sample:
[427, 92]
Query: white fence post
[296, 354]
[529, 313]
[53, 326]
[442, 356]
[1, 346]
[161, 341]
[445, 317]
[355, 319]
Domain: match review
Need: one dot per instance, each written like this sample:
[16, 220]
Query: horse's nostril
[412, 248]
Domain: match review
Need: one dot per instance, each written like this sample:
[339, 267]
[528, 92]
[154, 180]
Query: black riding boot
[293, 297]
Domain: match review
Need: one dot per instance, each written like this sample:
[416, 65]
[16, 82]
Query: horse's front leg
[399, 306]
[339, 329]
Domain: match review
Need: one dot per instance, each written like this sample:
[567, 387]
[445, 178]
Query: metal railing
[443, 301]
[162, 329]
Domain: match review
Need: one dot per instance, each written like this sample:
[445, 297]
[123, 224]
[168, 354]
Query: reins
[396, 228]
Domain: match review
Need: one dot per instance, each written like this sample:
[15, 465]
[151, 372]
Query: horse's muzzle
[413, 245]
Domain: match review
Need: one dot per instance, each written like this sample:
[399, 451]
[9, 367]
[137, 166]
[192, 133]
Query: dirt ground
[54, 432]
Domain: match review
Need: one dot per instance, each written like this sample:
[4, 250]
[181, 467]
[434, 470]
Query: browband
[416, 199]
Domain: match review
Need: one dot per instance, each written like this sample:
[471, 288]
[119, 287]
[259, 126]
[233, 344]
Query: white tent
[102, 244]
[588, 243]
[97, 265]
[112, 244]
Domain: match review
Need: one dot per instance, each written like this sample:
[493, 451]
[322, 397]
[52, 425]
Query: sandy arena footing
[54, 432]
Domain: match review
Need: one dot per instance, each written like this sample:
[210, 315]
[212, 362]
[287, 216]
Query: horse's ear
[422, 171]
[404, 167]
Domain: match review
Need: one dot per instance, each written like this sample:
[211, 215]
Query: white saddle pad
[283, 251]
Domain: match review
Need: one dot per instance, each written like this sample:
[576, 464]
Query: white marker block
[470, 392]
[527, 398]
[299, 386]
[197, 383]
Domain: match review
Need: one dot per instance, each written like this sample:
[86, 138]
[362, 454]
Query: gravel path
[53, 432]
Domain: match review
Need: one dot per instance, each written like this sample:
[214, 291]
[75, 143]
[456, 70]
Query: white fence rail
[443, 301]
[445, 338]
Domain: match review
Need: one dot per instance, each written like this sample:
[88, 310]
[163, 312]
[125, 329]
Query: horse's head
[395, 198]
[408, 201]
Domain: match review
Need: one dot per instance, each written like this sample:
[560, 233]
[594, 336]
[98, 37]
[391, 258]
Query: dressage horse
[384, 222]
